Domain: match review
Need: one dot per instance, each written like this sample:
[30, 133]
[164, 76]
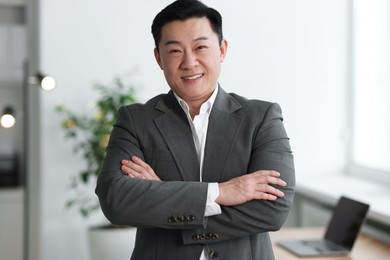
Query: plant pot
[111, 242]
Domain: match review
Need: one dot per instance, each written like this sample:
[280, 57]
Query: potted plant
[90, 134]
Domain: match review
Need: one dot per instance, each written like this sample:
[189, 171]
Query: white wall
[290, 52]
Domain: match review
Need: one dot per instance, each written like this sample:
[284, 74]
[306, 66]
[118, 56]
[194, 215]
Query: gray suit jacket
[243, 136]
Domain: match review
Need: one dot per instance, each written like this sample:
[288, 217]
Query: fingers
[263, 184]
[128, 168]
[267, 192]
[268, 177]
[265, 196]
[136, 168]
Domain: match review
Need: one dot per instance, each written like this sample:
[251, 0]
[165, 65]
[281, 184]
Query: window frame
[352, 167]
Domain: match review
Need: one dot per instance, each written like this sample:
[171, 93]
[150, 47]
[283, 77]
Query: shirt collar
[205, 107]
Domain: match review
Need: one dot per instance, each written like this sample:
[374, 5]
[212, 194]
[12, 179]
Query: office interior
[296, 53]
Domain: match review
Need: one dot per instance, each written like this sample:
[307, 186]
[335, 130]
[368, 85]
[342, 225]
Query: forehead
[188, 29]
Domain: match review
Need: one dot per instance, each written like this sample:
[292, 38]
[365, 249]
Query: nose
[189, 61]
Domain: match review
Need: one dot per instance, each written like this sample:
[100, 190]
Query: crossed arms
[252, 186]
[131, 192]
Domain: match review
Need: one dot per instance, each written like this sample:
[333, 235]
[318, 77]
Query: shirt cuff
[212, 208]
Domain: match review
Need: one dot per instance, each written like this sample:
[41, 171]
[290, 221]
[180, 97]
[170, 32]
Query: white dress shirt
[199, 132]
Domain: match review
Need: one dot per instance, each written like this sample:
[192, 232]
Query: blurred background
[326, 62]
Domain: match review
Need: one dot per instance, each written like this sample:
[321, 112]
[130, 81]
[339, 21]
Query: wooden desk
[365, 247]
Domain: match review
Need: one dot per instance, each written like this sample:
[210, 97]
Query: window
[370, 142]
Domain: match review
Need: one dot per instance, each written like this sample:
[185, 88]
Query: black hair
[183, 10]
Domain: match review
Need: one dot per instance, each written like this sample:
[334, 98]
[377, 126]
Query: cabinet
[11, 224]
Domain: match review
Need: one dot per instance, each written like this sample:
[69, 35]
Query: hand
[136, 168]
[249, 187]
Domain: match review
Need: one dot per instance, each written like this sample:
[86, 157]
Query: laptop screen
[346, 222]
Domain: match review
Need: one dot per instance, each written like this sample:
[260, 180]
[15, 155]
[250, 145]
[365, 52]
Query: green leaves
[90, 135]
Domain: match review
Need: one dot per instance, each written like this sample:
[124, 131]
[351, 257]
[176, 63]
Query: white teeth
[193, 77]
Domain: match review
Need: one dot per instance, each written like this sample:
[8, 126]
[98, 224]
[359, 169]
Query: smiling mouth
[194, 77]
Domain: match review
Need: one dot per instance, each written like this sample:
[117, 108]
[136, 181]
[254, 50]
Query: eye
[201, 47]
[174, 51]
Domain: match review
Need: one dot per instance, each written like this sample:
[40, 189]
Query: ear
[158, 57]
[223, 50]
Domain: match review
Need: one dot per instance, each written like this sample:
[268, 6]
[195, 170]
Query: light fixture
[7, 120]
[45, 82]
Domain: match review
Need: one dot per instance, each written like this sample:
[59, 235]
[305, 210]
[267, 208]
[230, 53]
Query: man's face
[190, 56]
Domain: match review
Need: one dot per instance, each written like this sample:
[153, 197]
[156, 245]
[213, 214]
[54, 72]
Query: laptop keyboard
[324, 245]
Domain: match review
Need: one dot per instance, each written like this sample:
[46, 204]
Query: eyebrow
[169, 42]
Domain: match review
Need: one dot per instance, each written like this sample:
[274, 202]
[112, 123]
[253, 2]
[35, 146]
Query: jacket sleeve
[144, 203]
[270, 151]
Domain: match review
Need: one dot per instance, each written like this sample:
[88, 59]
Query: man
[211, 173]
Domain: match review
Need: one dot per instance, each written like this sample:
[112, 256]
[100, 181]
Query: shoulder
[250, 102]
[256, 106]
[148, 105]
[141, 111]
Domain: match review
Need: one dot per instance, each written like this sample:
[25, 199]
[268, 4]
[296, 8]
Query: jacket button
[215, 236]
[202, 236]
[171, 219]
[195, 237]
[189, 218]
[213, 254]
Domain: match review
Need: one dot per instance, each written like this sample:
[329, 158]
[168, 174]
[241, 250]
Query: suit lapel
[222, 133]
[176, 132]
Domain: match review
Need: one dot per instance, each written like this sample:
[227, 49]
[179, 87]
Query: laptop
[341, 233]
